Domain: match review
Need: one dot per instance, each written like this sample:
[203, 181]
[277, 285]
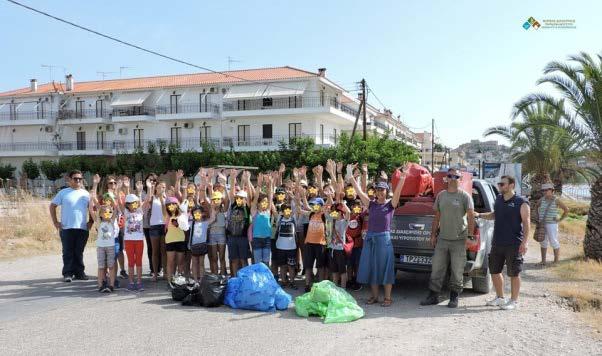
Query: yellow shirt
[174, 233]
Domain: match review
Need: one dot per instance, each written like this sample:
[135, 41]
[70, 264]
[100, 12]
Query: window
[205, 134]
[173, 103]
[322, 97]
[335, 136]
[79, 108]
[40, 109]
[242, 104]
[267, 102]
[13, 111]
[322, 134]
[100, 140]
[267, 131]
[294, 101]
[243, 135]
[81, 140]
[203, 102]
[99, 108]
[138, 138]
[176, 133]
[294, 130]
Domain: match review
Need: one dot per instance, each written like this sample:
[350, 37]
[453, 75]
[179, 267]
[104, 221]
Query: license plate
[419, 260]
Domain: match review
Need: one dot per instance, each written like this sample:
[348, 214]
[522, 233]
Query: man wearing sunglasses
[453, 223]
[512, 217]
[74, 225]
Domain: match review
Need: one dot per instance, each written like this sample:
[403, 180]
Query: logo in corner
[531, 22]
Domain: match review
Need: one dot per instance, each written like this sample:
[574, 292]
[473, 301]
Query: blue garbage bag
[254, 288]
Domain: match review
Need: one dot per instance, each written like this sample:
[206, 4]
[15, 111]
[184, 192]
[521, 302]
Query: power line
[371, 91]
[145, 49]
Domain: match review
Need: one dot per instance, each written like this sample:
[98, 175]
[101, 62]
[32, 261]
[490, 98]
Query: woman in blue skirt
[377, 262]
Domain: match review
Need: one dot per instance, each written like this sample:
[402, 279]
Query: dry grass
[26, 228]
[576, 207]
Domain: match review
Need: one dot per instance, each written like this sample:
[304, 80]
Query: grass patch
[576, 207]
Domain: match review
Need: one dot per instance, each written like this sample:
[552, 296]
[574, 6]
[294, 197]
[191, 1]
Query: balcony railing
[27, 146]
[134, 111]
[186, 108]
[84, 145]
[28, 115]
[291, 102]
[67, 114]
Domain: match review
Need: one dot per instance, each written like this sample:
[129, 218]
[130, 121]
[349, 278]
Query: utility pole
[121, 70]
[232, 60]
[433, 146]
[363, 84]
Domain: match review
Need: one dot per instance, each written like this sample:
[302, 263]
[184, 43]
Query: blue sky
[463, 63]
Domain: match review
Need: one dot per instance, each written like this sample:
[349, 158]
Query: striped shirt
[550, 217]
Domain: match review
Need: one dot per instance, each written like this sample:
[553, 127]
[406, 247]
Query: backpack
[235, 225]
[292, 222]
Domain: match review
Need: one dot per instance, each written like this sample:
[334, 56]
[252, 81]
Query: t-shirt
[286, 234]
[380, 216]
[74, 208]
[338, 237]
[174, 233]
[354, 229]
[452, 208]
[218, 228]
[133, 225]
[316, 230]
[106, 232]
[156, 212]
[508, 226]
[262, 226]
[198, 232]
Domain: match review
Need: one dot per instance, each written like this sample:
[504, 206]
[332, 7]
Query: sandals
[387, 303]
[371, 301]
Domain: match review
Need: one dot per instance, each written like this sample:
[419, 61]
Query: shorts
[179, 246]
[353, 261]
[199, 249]
[286, 258]
[551, 237]
[238, 248]
[105, 256]
[314, 253]
[216, 239]
[336, 261]
[156, 231]
[508, 255]
[260, 243]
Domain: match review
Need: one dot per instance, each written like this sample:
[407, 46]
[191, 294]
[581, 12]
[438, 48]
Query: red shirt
[354, 229]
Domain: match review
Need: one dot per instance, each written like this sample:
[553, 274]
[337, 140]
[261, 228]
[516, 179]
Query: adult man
[73, 227]
[512, 223]
[450, 229]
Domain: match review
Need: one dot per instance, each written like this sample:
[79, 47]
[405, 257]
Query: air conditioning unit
[188, 125]
[110, 128]
[49, 129]
[123, 131]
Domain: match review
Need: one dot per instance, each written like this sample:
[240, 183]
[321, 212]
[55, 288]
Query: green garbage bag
[329, 302]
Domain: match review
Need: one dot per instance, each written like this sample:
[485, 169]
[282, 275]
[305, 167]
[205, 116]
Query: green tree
[51, 169]
[579, 83]
[7, 171]
[31, 169]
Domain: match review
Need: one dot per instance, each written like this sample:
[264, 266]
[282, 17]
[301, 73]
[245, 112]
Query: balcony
[70, 148]
[133, 113]
[285, 105]
[187, 111]
[88, 116]
[19, 149]
[27, 118]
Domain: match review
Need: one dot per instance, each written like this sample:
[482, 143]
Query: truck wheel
[482, 284]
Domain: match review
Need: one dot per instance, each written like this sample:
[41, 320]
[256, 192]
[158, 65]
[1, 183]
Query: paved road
[41, 315]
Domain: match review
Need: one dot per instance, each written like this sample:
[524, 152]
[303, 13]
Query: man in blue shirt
[74, 225]
[512, 217]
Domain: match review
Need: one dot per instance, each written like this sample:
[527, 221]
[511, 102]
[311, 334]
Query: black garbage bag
[213, 289]
[194, 297]
[179, 292]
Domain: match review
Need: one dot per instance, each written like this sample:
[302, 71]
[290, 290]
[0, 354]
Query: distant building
[483, 151]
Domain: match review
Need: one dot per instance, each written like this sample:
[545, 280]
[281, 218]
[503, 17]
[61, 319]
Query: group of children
[284, 223]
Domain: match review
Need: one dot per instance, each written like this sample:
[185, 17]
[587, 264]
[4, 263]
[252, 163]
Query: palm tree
[579, 83]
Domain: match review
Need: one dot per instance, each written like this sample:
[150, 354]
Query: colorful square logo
[526, 25]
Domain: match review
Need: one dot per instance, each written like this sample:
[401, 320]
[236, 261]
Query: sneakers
[511, 305]
[307, 289]
[101, 289]
[497, 302]
[356, 287]
[131, 287]
[431, 299]
[123, 274]
[81, 277]
[67, 279]
[453, 300]
[140, 287]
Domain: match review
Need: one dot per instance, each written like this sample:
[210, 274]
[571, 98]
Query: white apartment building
[243, 110]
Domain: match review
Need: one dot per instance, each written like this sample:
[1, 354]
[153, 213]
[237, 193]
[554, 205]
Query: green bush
[31, 169]
[51, 169]
[7, 171]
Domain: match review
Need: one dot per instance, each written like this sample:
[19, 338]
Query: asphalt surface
[39, 314]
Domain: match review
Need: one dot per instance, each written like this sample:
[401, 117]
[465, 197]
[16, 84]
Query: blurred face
[312, 191]
[280, 197]
[328, 190]
[190, 189]
[76, 181]
[264, 204]
[107, 201]
[287, 213]
[350, 193]
[356, 209]
[216, 202]
[197, 215]
[133, 206]
[504, 186]
[371, 193]
[335, 214]
[106, 214]
[316, 208]
[172, 208]
[548, 193]
[240, 201]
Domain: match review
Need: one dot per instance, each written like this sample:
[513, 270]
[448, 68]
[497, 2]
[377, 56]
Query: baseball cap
[318, 201]
[547, 186]
[381, 185]
[172, 200]
[130, 198]
[241, 194]
[303, 182]
[216, 195]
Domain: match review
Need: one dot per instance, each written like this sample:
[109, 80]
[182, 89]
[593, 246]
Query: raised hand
[179, 174]
[126, 182]
[282, 168]
[139, 185]
[119, 183]
[364, 167]
[295, 173]
[96, 179]
[340, 167]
